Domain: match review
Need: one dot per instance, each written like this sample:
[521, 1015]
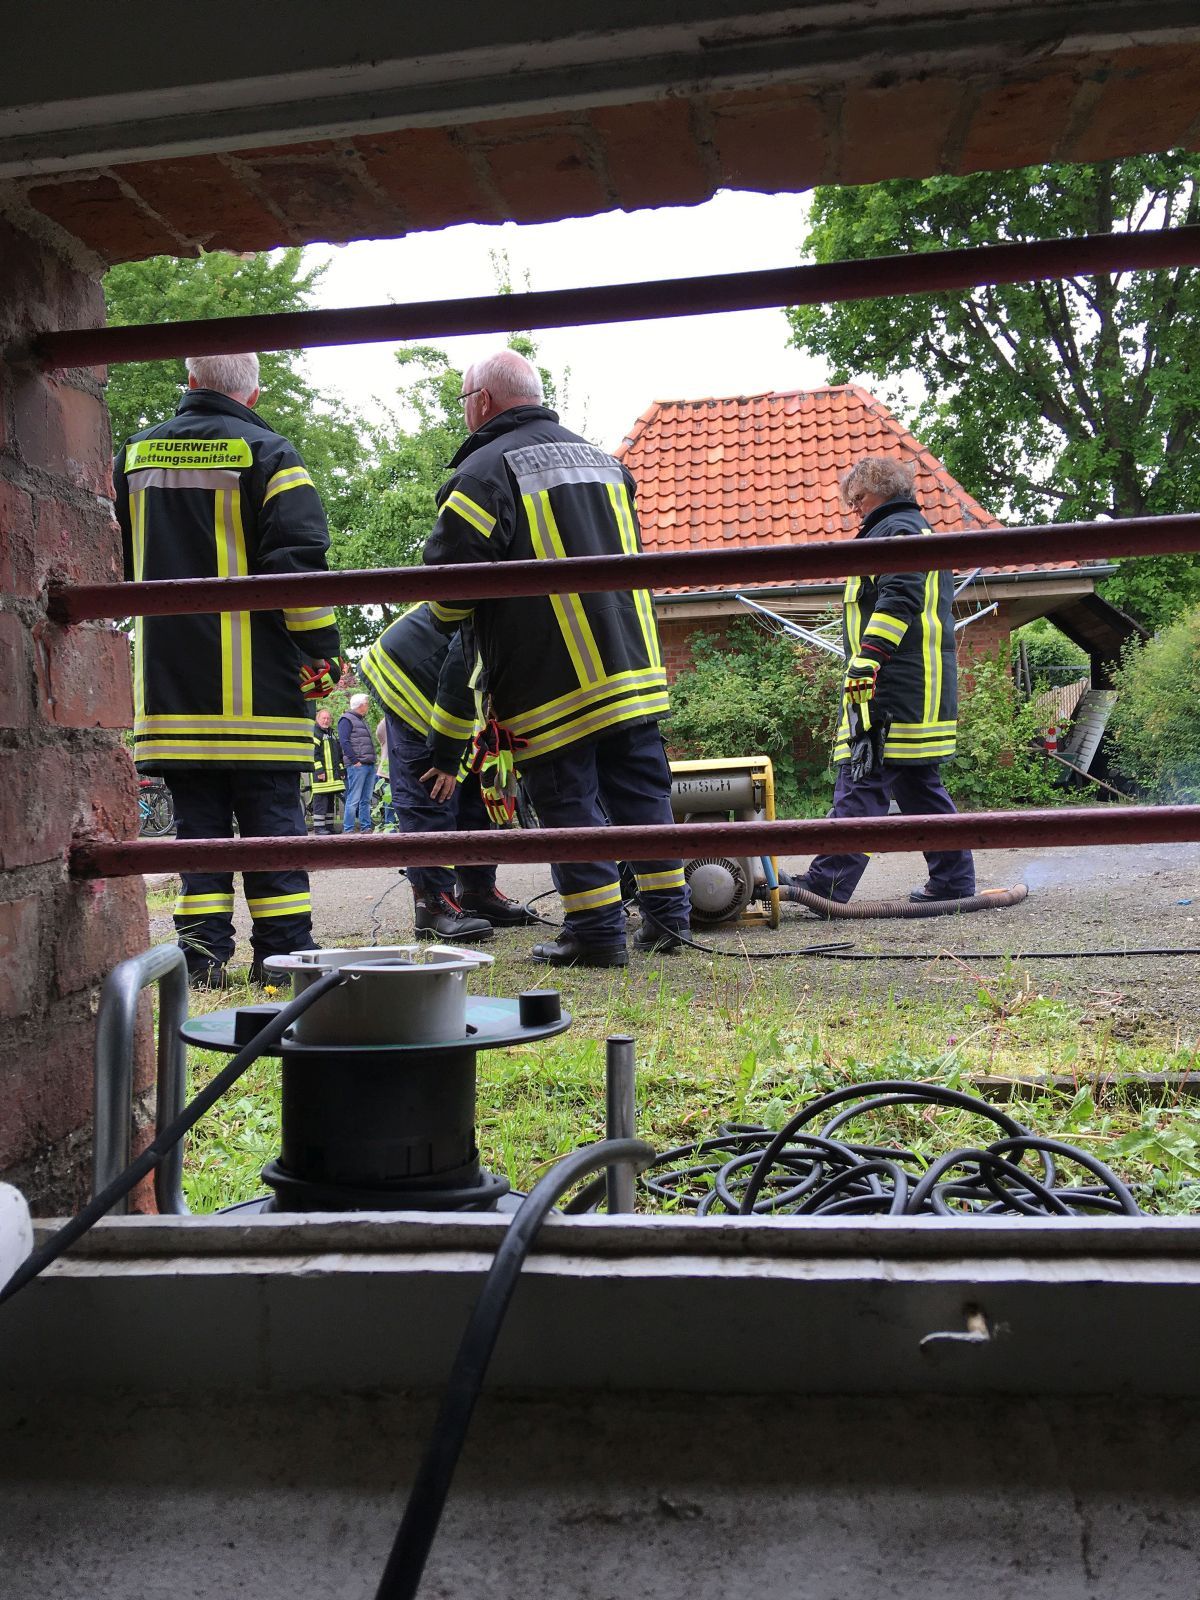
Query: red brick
[652, 155]
[74, 545]
[101, 924]
[84, 676]
[37, 806]
[63, 430]
[18, 956]
[1149, 101]
[542, 172]
[203, 198]
[897, 132]
[325, 198]
[17, 578]
[429, 175]
[1018, 124]
[104, 785]
[772, 140]
[46, 1090]
[15, 709]
[99, 212]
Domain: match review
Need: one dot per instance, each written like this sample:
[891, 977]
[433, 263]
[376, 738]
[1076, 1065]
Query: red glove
[491, 756]
[320, 678]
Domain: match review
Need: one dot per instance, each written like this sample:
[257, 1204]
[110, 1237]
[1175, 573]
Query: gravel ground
[1109, 898]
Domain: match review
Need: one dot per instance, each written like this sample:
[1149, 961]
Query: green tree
[1056, 401]
[1156, 719]
[166, 289]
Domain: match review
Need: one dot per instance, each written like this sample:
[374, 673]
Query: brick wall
[64, 693]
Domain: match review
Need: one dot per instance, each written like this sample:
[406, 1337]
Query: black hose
[427, 1498]
[170, 1135]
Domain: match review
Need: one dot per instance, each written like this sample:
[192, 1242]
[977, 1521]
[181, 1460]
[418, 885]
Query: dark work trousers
[418, 812]
[626, 775]
[918, 790]
[265, 805]
[324, 810]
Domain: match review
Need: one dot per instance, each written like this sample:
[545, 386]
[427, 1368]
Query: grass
[721, 1041]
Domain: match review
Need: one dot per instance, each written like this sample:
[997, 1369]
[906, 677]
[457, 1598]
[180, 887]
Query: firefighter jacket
[421, 676]
[558, 667]
[214, 493]
[905, 618]
[329, 772]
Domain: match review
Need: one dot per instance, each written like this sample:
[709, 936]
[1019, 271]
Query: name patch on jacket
[186, 455]
[546, 466]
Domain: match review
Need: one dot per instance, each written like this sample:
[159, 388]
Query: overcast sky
[615, 370]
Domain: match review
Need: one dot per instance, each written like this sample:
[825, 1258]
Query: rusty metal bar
[789, 564]
[993, 830]
[920, 272]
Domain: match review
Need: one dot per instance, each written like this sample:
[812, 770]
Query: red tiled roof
[763, 469]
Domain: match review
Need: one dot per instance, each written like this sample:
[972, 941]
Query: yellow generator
[741, 789]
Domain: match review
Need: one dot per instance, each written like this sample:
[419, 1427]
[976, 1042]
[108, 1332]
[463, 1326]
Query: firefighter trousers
[622, 778]
[264, 805]
[417, 812]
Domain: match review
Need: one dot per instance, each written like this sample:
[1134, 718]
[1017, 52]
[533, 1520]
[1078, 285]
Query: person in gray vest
[358, 752]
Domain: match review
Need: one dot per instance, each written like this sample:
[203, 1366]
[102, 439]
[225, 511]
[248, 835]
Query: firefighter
[329, 773]
[220, 699]
[573, 685]
[901, 672]
[420, 677]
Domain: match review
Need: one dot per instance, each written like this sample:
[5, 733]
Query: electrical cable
[145, 1163]
[747, 1169]
[427, 1498]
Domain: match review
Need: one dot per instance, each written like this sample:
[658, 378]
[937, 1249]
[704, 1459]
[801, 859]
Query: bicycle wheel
[159, 817]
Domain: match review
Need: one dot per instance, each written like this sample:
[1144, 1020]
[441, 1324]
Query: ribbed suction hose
[857, 910]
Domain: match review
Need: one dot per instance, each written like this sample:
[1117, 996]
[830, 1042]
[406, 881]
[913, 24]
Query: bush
[1053, 658]
[1156, 720]
[754, 694]
[995, 769]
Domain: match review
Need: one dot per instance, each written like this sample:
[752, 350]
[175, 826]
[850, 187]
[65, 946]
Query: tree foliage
[166, 289]
[1055, 401]
[1156, 719]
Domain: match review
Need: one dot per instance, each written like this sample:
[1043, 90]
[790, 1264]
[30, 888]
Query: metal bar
[116, 1019]
[807, 635]
[920, 272]
[972, 830]
[789, 564]
[620, 1118]
[964, 622]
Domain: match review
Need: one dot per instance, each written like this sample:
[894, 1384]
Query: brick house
[764, 469]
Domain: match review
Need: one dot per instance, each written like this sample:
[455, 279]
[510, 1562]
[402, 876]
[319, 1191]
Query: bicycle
[156, 809]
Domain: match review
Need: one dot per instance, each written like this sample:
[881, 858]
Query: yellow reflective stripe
[931, 646]
[449, 613]
[623, 512]
[137, 524]
[287, 478]
[223, 750]
[921, 730]
[280, 905]
[568, 608]
[235, 625]
[853, 614]
[628, 682]
[264, 726]
[470, 511]
[453, 727]
[395, 688]
[243, 704]
[189, 455]
[885, 627]
[303, 620]
[672, 879]
[581, 727]
[608, 894]
[197, 904]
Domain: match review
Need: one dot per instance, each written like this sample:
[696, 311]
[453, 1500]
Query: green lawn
[722, 1041]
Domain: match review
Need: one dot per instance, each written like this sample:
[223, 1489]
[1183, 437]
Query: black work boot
[655, 939]
[569, 950]
[439, 916]
[500, 911]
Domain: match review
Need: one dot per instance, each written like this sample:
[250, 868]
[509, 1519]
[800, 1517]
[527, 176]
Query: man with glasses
[572, 685]
[902, 679]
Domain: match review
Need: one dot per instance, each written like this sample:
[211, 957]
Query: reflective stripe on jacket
[421, 676]
[215, 493]
[557, 668]
[910, 614]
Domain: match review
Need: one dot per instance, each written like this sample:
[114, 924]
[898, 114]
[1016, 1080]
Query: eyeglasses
[466, 395]
[854, 501]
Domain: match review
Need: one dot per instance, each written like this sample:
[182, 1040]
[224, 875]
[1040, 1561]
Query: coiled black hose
[748, 1169]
